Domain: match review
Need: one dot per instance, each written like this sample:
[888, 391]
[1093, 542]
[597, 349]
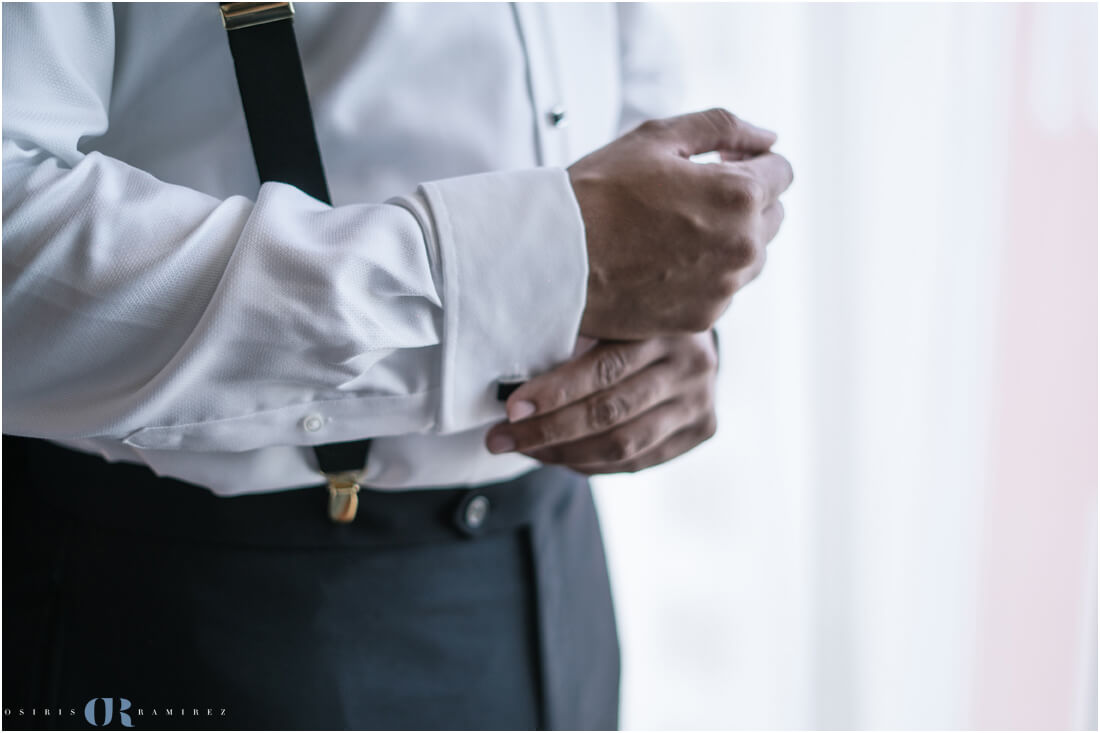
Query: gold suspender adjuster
[242, 15]
[343, 497]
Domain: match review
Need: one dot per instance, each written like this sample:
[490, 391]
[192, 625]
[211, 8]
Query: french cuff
[514, 268]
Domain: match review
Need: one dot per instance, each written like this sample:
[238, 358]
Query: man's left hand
[619, 407]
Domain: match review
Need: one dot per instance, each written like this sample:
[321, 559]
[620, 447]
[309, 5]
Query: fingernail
[520, 410]
[501, 444]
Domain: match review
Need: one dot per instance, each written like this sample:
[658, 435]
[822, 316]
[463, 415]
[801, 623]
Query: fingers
[598, 368]
[594, 414]
[712, 129]
[772, 219]
[608, 421]
[677, 444]
[623, 443]
[771, 170]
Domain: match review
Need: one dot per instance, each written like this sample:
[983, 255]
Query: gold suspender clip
[242, 15]
[343, 496]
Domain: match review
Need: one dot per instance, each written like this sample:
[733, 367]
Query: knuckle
[603, 412]
[788, 169]
[703, 360]
[726, 286]
[760, 261]
[619, 447]
[709, 427]
[722, 118]
[630, 467]
[559, 396]
[647, 395]
[753, 269]
[548, 455]
[745, 194]
[698, 319]
[743, 251]
[704, 402]
[542, 433]
[609, 368]
[653, 127]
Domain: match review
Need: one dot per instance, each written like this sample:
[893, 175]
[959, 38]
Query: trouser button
[472, 513]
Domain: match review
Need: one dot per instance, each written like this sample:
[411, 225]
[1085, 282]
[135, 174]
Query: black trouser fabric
[258, 613]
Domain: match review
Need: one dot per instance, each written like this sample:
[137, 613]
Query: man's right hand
[670, 241]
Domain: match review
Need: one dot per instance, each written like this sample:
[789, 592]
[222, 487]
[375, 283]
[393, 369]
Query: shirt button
[313, 423]
[557, 116]
[477, 511]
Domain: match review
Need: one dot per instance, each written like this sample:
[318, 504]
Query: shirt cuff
[514, 267]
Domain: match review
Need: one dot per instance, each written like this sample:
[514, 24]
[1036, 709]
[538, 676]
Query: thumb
[713, 129]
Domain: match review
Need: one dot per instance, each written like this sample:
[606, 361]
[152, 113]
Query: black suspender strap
[273, 94]
[284, 144]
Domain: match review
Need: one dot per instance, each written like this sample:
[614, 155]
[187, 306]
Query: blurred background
[895, 526]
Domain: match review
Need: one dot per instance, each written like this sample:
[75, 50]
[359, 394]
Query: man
[166, 311]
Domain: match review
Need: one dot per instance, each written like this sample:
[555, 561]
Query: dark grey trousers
[183, 610]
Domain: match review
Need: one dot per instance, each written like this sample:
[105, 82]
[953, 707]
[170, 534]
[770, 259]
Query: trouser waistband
[131, 497]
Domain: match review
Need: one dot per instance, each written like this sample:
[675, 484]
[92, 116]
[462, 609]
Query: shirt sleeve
[160, 316]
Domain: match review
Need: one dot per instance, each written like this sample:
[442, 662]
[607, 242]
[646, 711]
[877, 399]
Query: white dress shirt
[162, 307]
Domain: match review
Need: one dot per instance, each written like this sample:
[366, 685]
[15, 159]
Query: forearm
[134, 305]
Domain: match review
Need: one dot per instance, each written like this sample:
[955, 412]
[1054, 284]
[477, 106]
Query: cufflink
[507, 385]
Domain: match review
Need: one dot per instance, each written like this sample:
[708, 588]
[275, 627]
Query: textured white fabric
[160, 306]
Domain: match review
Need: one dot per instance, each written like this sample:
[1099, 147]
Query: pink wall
[1042, 493]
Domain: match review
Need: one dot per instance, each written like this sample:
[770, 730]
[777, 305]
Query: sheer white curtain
[817, 564]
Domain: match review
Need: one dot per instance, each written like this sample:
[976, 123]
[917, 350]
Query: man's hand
[620, 406]
[670, 241]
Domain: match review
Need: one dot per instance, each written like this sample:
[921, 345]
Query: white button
[313, 423]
